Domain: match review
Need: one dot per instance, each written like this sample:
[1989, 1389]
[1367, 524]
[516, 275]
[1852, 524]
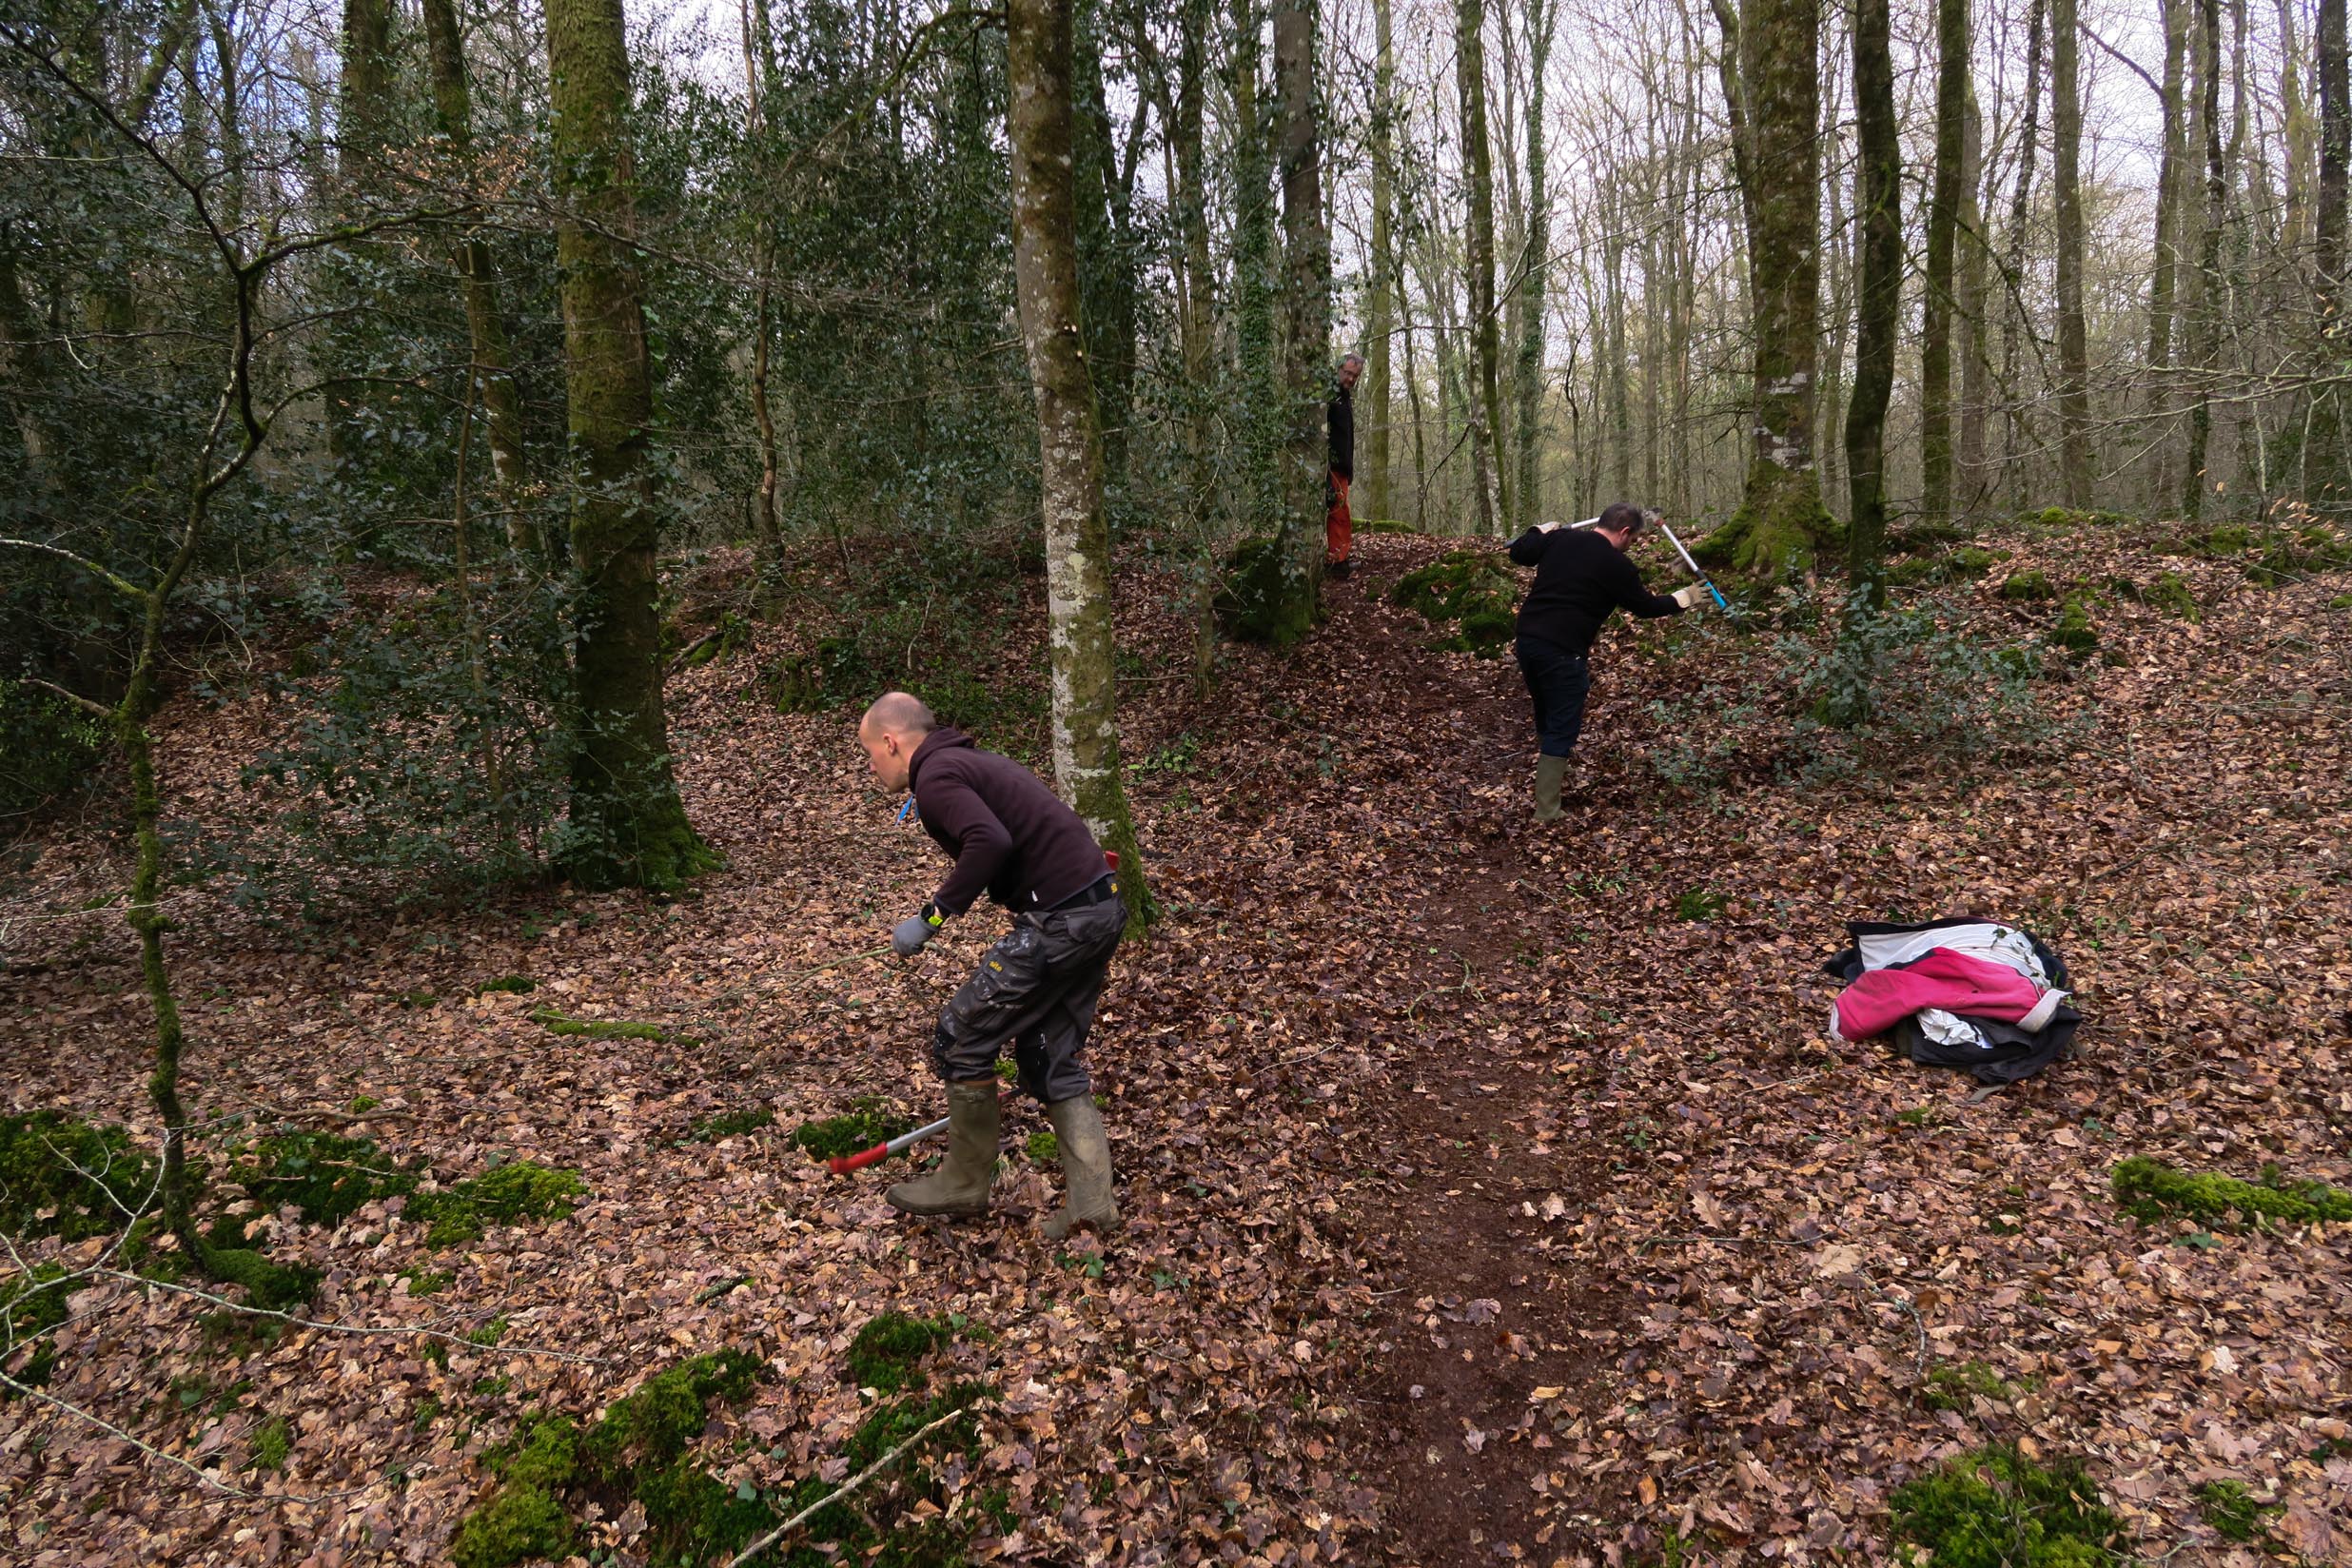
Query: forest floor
[1494, 1193]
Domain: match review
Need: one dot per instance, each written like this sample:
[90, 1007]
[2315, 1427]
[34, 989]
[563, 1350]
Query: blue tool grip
[1721, 604]
[909, 800]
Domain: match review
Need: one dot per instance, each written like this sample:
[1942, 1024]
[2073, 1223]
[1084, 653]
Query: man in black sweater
[1340, 419]
[1581, 573]
[1037, 988]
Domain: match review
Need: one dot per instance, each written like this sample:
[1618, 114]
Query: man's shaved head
[898, 713]
[891, 730]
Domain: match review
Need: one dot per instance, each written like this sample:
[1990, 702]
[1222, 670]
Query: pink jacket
[1952, 981]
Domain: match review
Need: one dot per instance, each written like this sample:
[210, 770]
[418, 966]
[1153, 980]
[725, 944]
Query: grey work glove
[912, 932]
[1692, 595]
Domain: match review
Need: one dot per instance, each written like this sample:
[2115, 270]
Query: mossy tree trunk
[2163, 274]
[1781, 527]
[2204, 319]
[1938, 297]
[1878, 204]
[2066, 123]
[628, 826]
[1306, 307]
[2325, 450]
[1257, 487]
[1535, 265]
[485, 328]
[1038, 48]
[1485, 401]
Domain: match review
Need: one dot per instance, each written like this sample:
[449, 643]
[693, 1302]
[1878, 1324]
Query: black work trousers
[1035, 988]
[1557, 681]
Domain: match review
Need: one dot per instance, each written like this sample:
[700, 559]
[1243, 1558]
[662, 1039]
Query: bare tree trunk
[2065, 122]
[628, 826]
[1878, 204]
[493, 382]
[1259, 481]
[1974, 304]
[1781, 525]
[1494, 496]
[1951, 91]
[2324, 447]
[1038, 38]
[1380, 294]
[1533, 268]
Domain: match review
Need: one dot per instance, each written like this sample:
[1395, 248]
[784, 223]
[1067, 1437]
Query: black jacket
[1009, 835]
[1340, 414]
[1580, 578]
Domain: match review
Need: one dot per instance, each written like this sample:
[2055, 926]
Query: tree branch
[118, 584]
[838, 1493]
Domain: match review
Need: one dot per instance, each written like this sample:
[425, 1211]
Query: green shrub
[504, 1194]
[69, 1179]
[48, 747]
[886, 1352]
[2029, 585]
[1997, 1509]
[867, 1123]
[2150, 1189]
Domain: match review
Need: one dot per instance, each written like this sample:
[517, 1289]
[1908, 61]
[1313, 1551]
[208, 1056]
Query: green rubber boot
[1550, 772]
[1086, 1170]
[960, 1185]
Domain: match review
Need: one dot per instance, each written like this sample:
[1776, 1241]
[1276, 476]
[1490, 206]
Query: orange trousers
[1338, 528]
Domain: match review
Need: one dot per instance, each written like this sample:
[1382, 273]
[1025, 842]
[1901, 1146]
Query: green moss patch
[2074, 631]
[506, 1194]
[869, 1121]
[515, 984]
[1474, 591]
[1954, 1386]
[607, 1028]
[30, 1306]
[1044, 1148]
[66, 1178]
[2029, 585]
[730, 1124]
[641, 1450]
[326, 1177]
[273, 1441]
[888, 1352]
[2233, 1511]
[1997, 1509]
[2150, 1189]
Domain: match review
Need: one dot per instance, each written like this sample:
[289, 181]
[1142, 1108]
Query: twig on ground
[839, 1492]
[1468, 987]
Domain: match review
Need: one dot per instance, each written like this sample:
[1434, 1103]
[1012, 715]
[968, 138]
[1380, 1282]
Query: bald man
[1037, 988]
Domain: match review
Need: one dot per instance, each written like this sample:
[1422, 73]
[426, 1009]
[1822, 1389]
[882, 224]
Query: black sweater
[1580, 578]
[1340, 414]
[1009, 835]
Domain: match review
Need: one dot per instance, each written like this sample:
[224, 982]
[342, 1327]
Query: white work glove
[1691, 597]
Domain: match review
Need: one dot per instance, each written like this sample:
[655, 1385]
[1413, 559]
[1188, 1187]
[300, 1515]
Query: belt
[1102, 888]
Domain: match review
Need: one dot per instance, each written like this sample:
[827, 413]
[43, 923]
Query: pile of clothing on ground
[1966, 993]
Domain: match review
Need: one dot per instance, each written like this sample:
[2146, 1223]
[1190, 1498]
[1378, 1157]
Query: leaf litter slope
[1481, 1205]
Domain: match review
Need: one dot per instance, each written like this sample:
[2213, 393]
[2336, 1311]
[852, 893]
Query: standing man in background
[1340, 415]
[1581, 573]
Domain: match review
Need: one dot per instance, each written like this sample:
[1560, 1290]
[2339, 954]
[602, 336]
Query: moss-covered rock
[2028, 586]
[1997, 1509]
[2074, 631]
[2150, 1189]
[2171, 595]
[818, 681]
[1259, 600]
[1473, 589]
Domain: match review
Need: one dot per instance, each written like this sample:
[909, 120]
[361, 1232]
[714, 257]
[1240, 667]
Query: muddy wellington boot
[1550, 771]
[960, 1185]
[1086, 1170]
